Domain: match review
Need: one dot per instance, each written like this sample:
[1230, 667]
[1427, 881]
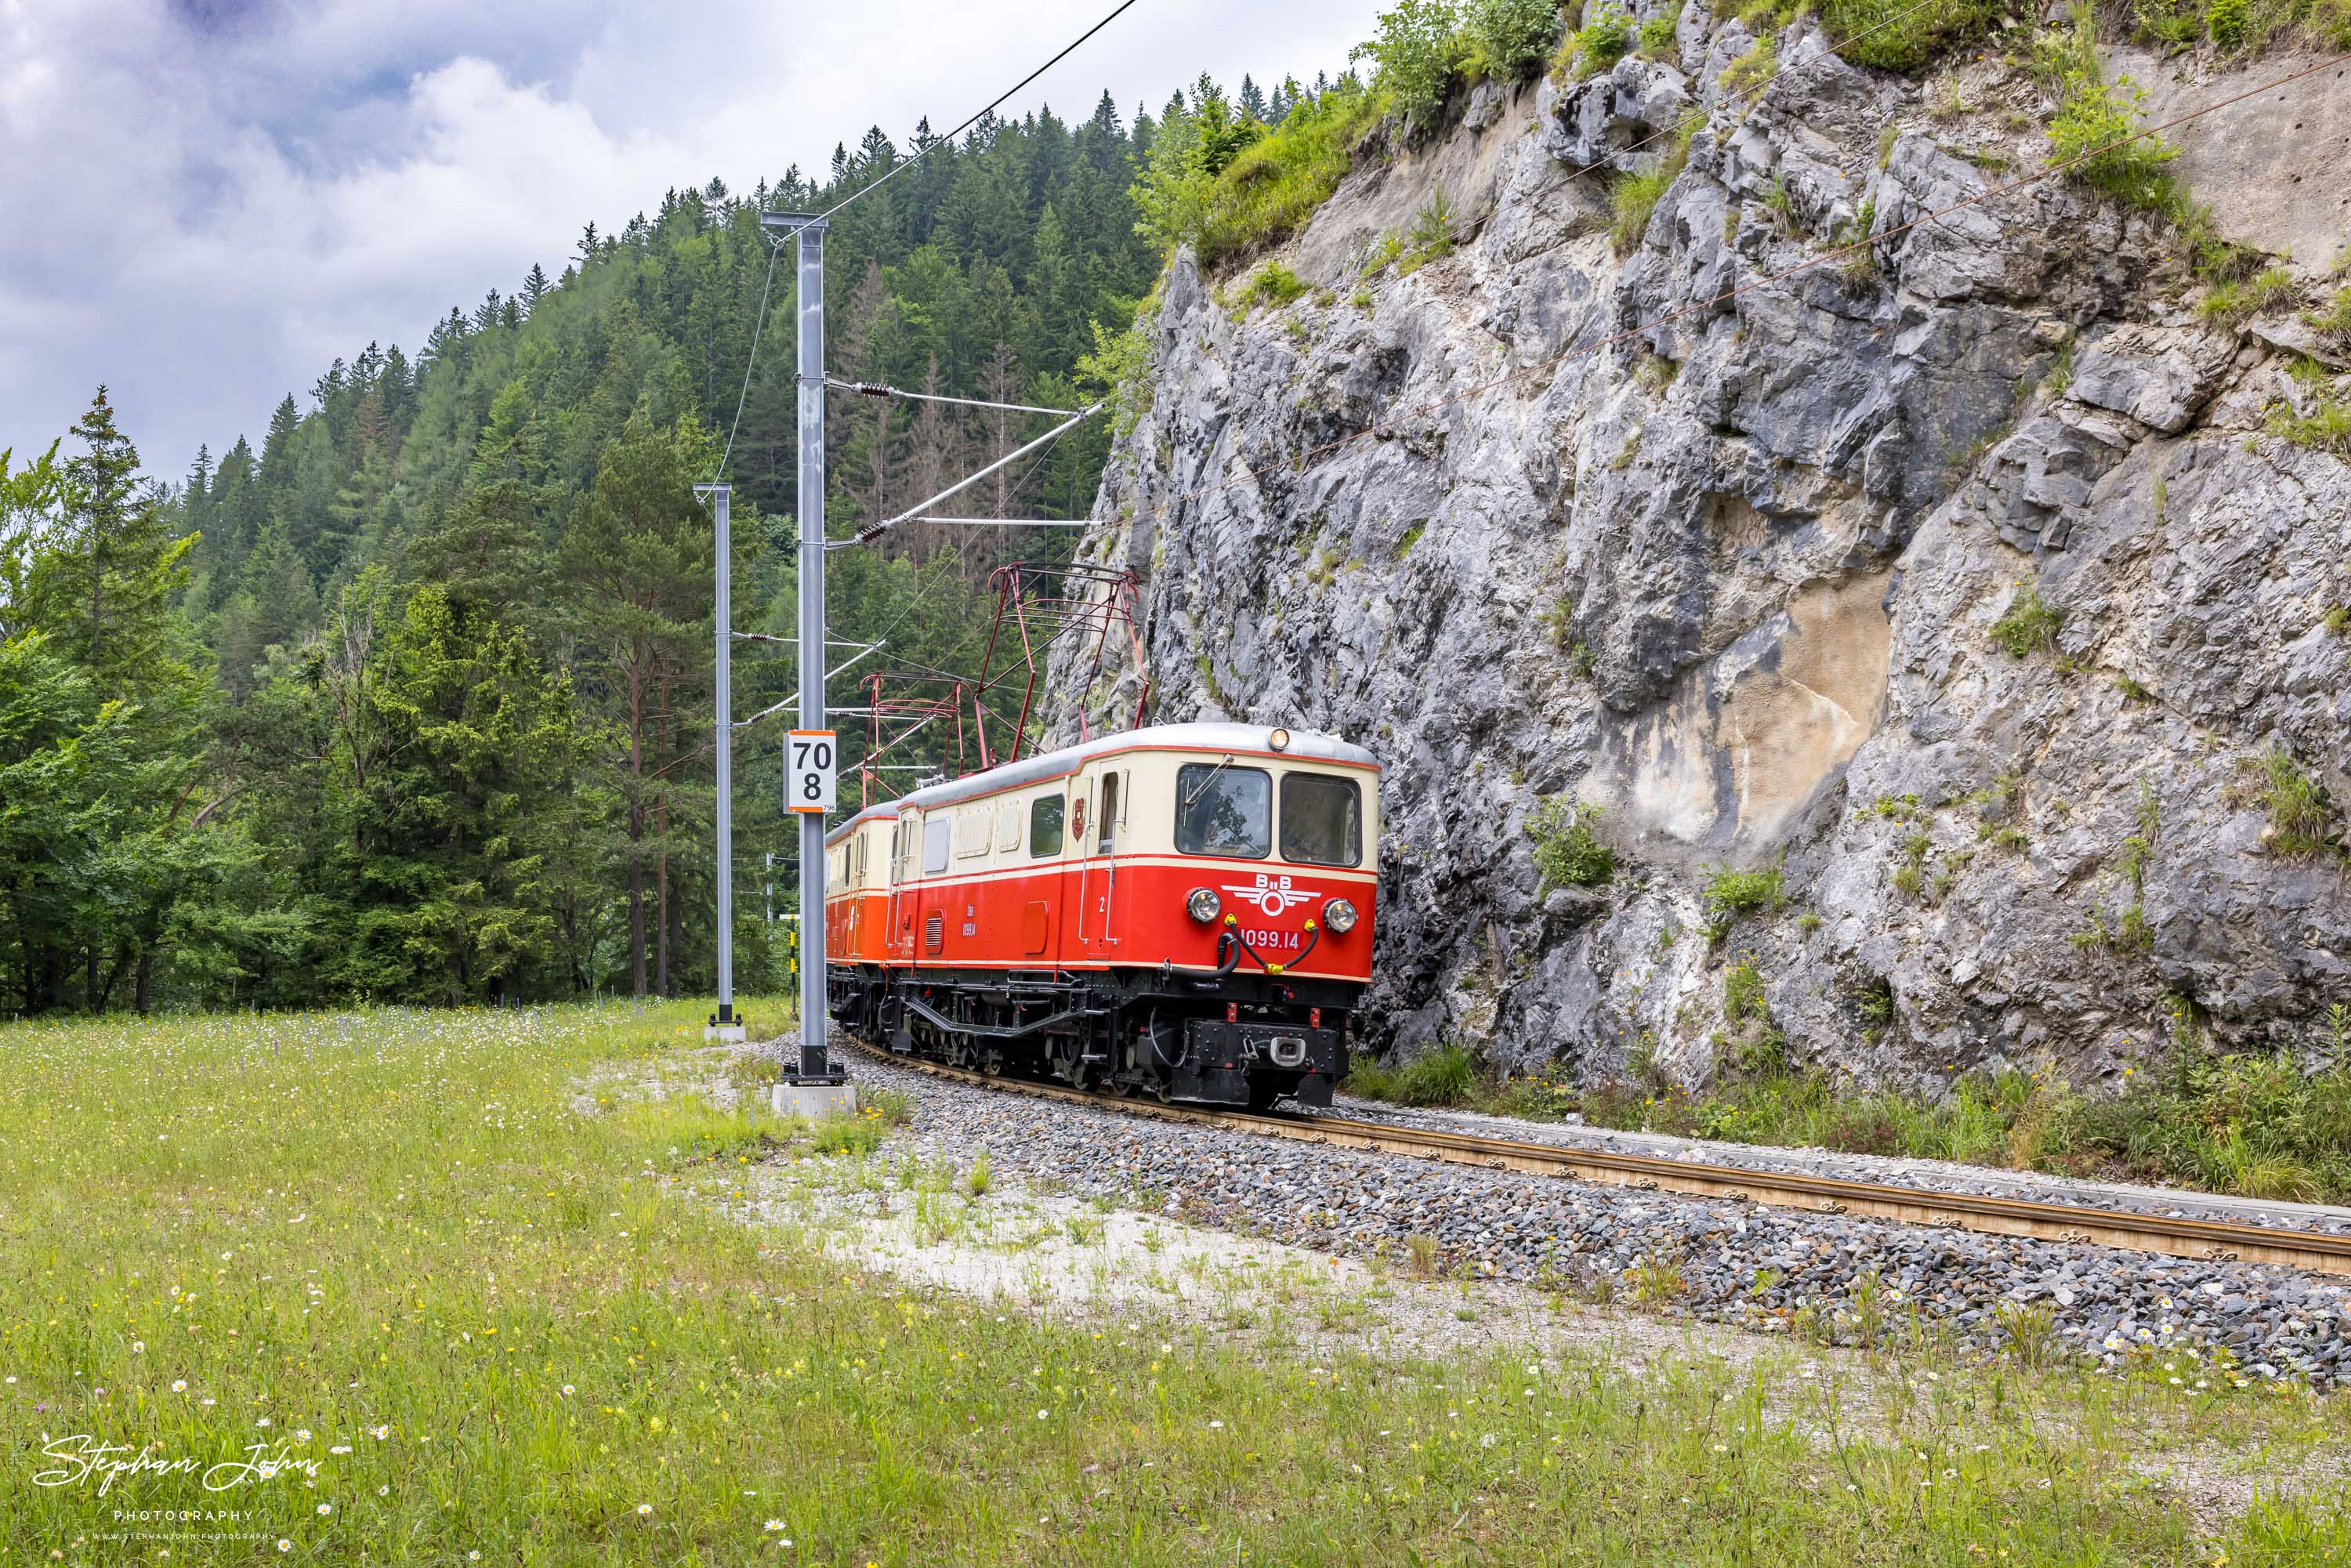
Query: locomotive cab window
[1110, 814]
[1321, 819]
[1044, 826]
[934, 845]
[1225, 810]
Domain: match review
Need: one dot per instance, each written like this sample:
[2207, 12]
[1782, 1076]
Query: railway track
[2317, 1252]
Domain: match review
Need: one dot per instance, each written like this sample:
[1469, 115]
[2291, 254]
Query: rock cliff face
[1718, 546]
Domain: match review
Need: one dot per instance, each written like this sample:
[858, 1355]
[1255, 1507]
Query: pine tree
[637, 559]
[479, 739]
[105, 592]
[488, 553]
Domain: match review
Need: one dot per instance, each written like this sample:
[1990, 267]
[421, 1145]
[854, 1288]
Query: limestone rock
[1715, 534]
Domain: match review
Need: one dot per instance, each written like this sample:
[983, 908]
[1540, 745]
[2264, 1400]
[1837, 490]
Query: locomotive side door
[1098, 846]
[905, 887]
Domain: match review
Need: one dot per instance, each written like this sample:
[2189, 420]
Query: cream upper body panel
[1059, 815]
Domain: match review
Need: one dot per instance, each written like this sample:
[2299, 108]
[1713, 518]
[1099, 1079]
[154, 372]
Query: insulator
[872, 389]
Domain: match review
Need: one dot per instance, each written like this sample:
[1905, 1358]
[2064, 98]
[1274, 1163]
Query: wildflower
[380, 1433]
[262, 1422]
[644, 1511]
[139, 1347]
[284, 1545]
[325, 1509]
[179, 1384]
[1213, 1424]
[302, 1434]
[773, 1524]
[567, 1391]
[340, 1448]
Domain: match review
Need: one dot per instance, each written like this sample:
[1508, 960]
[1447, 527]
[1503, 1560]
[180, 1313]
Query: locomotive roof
[1305, 745]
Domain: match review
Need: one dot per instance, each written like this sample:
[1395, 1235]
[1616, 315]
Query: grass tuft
[1635, 197]
[1732, 893]
[2028, 626]
[1567, 854]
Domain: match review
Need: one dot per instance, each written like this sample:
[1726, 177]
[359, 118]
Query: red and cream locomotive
[1182, 911]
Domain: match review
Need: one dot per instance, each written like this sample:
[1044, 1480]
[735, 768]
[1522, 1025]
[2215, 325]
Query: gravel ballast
[1928, 1175]
[1768, 1270]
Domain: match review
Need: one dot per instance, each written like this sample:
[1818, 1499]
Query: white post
[724, 1025]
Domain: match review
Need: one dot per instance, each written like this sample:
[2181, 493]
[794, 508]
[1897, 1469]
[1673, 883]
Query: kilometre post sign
[809, 786]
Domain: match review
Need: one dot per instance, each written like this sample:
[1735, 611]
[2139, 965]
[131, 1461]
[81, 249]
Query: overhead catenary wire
[774, 246]
[1009, 523]
[793, 701]
[758, 323]
[872, 531]
[884, 388]
[995, 104]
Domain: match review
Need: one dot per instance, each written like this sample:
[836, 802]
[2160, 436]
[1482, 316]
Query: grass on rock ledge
[2253, 1126]
[506, 1318]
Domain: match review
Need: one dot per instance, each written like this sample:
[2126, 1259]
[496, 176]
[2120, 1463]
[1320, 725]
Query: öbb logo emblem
[1272, 895]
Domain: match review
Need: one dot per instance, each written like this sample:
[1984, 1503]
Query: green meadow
[443, 1287]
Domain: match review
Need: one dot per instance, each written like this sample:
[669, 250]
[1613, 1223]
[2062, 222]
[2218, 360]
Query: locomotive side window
[934, 844]
[1321, 819]
[1110, 810]
[1044, 826]
[1221, 809]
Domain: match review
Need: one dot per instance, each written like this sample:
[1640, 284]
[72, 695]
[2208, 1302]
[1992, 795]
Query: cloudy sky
[207, 199]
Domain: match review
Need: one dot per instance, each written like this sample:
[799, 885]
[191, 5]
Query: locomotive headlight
[1201, 905]
[1339, 915]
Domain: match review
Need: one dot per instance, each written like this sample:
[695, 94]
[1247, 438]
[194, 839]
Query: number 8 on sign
[809, 780]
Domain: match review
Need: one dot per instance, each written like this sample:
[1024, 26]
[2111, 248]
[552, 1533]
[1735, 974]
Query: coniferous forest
[407, 698]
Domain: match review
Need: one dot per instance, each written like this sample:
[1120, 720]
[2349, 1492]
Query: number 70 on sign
[808, 783]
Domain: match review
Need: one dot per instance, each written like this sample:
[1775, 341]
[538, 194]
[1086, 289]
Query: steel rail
[2210, 1240]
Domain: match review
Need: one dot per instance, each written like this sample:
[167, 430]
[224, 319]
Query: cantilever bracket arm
[867, 535]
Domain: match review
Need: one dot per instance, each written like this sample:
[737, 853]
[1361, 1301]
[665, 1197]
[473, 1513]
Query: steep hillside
[1950, 630]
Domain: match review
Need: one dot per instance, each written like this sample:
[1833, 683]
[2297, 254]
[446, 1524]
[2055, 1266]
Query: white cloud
[210, 199]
